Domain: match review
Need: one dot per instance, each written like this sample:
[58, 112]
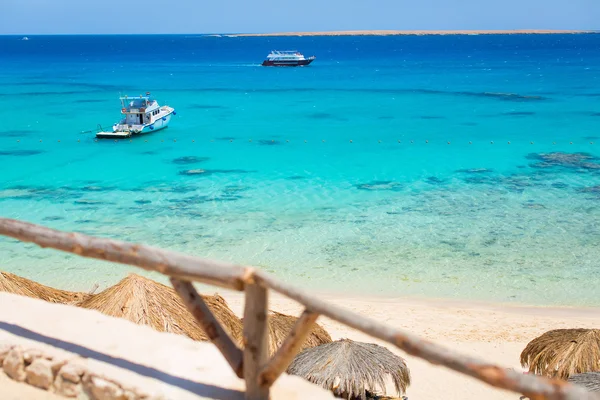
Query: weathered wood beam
[207, 320]
[534, 387]
[289, 348]
[149, 258]
[256, 334]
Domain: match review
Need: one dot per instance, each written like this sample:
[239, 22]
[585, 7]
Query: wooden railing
[253, 363]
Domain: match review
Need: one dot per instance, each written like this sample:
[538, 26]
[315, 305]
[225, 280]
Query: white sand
[135, 358]
[497, 333]
[12, 390]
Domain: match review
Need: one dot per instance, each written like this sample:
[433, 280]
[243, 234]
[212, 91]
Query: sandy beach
[497, 333]
[414, 32]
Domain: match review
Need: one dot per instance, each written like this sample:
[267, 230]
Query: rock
[57, 365]
[192, 172]
[66, 388]
[39, 373]
[102, 389]
[534, 206]
[190, 160]
[4, 350]
[14, 365]
[72, 372]
[565, 160]
[475, 170]
[590, 189]
[380, 185]
[588, 165]
[30, 355]
[130, 395]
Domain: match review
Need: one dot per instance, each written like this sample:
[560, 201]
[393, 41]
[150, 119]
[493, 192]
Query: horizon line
[366, 32]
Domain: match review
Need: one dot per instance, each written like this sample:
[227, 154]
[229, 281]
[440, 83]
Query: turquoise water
[438, 166]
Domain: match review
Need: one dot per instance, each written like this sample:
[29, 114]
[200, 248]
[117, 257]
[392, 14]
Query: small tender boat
[141, 115]
[286, 59]
[25, 38]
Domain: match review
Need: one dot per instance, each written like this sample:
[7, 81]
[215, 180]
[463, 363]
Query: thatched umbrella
[146, 302]
[15, 284]
[352, 370]
[589, 380]
[563, 352]
[280, 325]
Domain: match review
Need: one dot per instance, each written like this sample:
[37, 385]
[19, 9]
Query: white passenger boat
[292, 58]
[141, 115]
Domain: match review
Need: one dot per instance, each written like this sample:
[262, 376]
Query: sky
[260, 16]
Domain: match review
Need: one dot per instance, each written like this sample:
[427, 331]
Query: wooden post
[289, 348]
[213, 329]
[167, 262]
[256, 334]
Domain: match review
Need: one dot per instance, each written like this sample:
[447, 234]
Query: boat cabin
[285, 55]
[139, 110]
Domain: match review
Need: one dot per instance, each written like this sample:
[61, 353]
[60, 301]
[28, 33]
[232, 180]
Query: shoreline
[333, 294]
[549, 311]
[415, 33]
[454, 301]
[419, 300]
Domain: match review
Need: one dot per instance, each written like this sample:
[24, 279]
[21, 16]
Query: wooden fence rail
[252, 362]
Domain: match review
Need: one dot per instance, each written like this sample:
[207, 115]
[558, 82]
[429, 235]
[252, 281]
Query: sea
[450, 167]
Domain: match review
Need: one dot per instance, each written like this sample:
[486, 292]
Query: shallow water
[458, 166]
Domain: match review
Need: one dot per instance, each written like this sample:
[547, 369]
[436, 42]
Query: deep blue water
[439, 166]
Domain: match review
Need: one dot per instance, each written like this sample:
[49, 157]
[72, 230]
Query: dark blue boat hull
[287, 63]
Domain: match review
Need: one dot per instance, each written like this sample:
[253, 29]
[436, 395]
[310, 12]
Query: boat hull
[157, 125]
[287, 63]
